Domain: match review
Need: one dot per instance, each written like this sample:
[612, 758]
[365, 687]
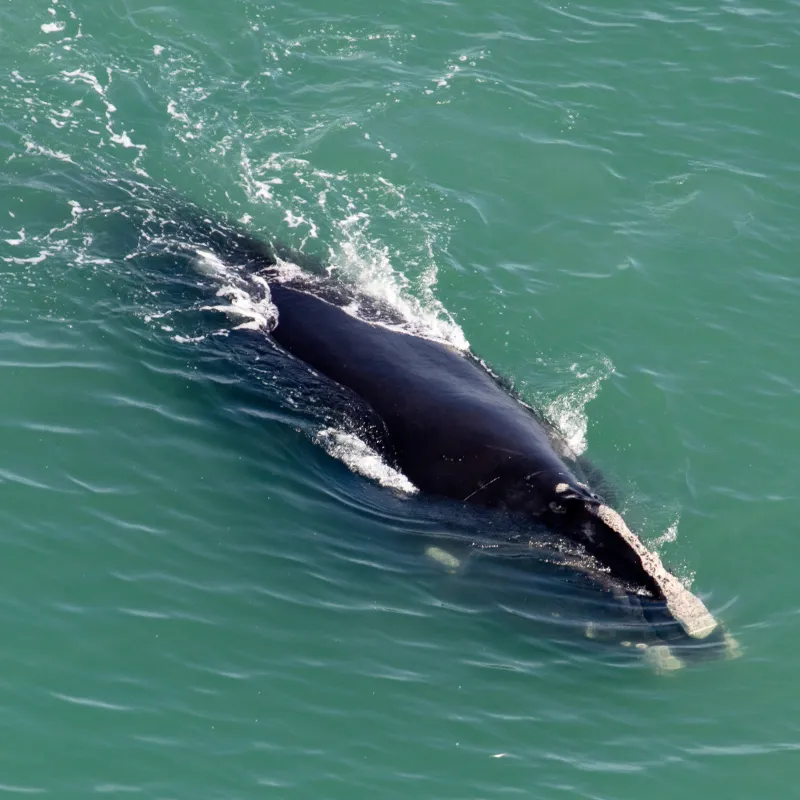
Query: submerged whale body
[444, 421]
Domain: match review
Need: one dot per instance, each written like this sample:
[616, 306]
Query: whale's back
[451, 427]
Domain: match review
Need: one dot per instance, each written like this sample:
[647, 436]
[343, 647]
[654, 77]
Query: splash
[681, 570]
[250, 301]
[362, 459]
[669, 535]
[368, 264]
[568, 412]
[349, 210]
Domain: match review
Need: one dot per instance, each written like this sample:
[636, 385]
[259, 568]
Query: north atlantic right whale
[439, 416]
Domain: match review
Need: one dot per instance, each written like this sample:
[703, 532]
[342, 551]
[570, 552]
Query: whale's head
[669, 608]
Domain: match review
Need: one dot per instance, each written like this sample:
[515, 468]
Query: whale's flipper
[448, 560]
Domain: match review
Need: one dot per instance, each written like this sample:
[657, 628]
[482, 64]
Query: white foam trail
[19, 240]
[207, 263]
[362, 459]
[123, 138]
[259, 312]
[368, 265]
[358, 254]
[259, 315]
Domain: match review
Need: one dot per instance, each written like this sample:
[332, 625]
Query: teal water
[197, 600]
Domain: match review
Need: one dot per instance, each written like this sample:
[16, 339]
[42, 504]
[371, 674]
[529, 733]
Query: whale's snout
[610, 537]
[674, 612]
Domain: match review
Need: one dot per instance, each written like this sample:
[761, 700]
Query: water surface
[601, 200]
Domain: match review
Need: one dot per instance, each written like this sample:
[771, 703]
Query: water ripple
[561, 186]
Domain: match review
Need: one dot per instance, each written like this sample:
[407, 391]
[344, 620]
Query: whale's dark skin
[451, 428]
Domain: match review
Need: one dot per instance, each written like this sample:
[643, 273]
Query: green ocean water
[199, 601]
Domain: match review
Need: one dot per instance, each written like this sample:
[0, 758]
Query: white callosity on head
[684, 606]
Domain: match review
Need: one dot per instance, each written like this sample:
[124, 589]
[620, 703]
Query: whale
[453, 428]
